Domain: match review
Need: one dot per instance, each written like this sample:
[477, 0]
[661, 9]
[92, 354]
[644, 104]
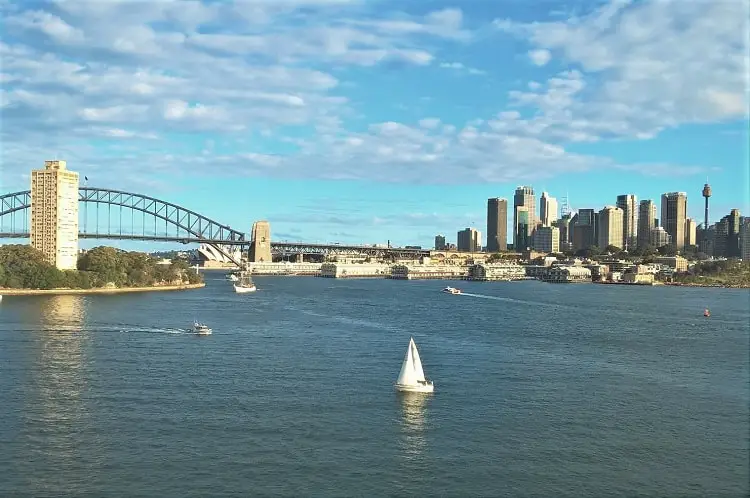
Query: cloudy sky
[368, 120]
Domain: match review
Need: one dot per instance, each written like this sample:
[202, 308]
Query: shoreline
[99, 290]
[714, 286]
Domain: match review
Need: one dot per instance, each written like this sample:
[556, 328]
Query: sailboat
[411, 378]
[245, 283]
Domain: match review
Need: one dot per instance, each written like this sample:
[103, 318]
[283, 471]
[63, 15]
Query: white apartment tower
[629, 205]
[54, 214]
[547, 209]
[610, 227]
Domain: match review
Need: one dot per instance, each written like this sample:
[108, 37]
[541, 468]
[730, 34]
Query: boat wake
[511, 300]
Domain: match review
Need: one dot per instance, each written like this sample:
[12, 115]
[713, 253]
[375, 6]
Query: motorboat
[411, 377]
[245, 284]
[706, 313]
[232, 277]
[452, 290]
[201, 329]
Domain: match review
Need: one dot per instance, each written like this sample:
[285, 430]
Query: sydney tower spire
[706, 195]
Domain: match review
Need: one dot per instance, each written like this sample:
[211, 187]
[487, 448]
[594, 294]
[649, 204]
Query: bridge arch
[198, 228]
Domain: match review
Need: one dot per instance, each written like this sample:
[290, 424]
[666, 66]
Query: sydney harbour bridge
[114, 214]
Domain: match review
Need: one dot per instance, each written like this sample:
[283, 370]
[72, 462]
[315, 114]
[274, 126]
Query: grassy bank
[100, 290]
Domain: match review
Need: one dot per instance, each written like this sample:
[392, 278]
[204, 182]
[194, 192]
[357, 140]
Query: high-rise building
[260, 242]
[673, 216]
[646, 222]
[659, 237]
[547, 209]
[523, 231]
[585, 232]
[706, 194]
[547, 239]
[734, 221]
[629, 205]
[745, 239]
[439, 242]
[54, 214]
[610, 227]
[469, 240]
[691, 231]
[565, 226]
[523, 199]
[497, 225]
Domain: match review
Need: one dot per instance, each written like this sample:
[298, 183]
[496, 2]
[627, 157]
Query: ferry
[452, 290]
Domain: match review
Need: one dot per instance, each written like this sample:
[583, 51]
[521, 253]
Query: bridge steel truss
[196, 227]
[292, 248]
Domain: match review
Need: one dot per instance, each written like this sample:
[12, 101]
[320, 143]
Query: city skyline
[372, 121]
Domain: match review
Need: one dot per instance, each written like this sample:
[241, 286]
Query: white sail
[418, 372]
[411, 369]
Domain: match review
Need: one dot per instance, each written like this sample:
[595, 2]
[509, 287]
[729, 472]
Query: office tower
[522, 234]
[673, 216]
[547, 209]
[547, 239]
[497, 225]
[610, 227]
[564, 224]
[706, 194]
[646, 222]
[691, 229]
[734, 221]
[585, 231]
[659, 237]
[629, 205]
[523, 199]
[439, 242]
[469, 240]
[54, 214]
[260, 242]
[745, 238]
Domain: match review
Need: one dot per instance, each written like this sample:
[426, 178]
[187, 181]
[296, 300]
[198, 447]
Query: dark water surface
[541, 390]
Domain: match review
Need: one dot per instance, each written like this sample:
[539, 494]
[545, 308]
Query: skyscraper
[469, 240]
[497, 225]
[646, 222]
[629, 205]
[547, 209]
[522, 233]
[585, 232]
[610, 227]
[54, 214]
[673, 216]
[691, 230]
[745, 239]
[523, 198]
[439, 242]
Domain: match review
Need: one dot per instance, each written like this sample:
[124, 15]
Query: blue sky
[364, 121]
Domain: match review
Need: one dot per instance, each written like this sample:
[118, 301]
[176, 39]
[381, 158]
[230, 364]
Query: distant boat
[706, 313]
[201, 329]
[232, 277]
[245, 283]
[411, 378]
[452, 290]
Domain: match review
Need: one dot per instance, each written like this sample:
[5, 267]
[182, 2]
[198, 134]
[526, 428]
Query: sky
[362, 121]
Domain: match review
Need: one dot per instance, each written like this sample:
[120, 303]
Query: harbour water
[541, 390]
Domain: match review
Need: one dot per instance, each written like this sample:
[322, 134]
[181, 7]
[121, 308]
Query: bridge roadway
[277, 248]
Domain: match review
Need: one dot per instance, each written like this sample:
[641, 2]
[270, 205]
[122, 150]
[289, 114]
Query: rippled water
[541, 390]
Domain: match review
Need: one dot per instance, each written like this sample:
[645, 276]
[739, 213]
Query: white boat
[245, 283]
[201, 329]
[411, 378]
[232, 277]
[452, 290]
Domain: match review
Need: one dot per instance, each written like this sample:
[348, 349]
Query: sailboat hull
[243, 290]
[419, 388]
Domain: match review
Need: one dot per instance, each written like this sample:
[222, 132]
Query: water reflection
[55, 413]
[413, 424]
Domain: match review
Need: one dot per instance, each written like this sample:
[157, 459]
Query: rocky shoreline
[99, 290]
[721, 286]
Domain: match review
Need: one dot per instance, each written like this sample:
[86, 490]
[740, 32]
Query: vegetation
[727, 273]
[23, 267]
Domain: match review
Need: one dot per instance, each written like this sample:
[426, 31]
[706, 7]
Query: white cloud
[651, 65]
[540, 57]
[458, 66]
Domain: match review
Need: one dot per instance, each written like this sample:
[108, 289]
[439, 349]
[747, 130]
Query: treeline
[23, 267]
[720, 272]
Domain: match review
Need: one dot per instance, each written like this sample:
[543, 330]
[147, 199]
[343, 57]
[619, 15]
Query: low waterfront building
[536, 271]
[638, 278]
[363, 270]
[497, 271]
[567, 274]
[677, 263]
[284, 268]
[419, 272]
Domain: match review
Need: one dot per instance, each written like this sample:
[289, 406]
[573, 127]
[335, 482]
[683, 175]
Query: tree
[667, 250]
[612, 249]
